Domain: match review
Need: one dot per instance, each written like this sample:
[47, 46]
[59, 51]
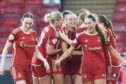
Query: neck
[26, 31]
[70, 28]
[91, 31]
[53, 26]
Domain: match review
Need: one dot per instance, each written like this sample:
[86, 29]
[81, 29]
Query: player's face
[71, 20]
[27, 23]
[89, 24]
[58, 22]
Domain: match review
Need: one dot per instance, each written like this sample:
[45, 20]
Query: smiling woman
[23, 40]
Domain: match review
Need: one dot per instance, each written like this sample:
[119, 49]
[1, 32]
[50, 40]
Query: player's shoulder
[16, 30]
[80, 34]
[33, 31]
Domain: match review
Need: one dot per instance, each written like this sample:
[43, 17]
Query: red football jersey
[93, 60]
[48, 35]
[23, 46]
[114, 60]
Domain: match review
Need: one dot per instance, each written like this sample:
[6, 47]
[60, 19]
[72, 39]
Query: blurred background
[12, 10]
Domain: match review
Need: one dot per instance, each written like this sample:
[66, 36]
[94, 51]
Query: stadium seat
[13, 10]
[121, 41]
[15, 3]
[33, 8]
[5, 31]
[120, 7]
[119, 26]
[2, 4]
[12, 22]
[117, 1]
[34, 2]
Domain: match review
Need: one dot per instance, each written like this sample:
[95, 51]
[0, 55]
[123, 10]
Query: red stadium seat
[119, 17]
[119, 26]
[33, 8]
[34, 2]
[13, 10]
[15, 3]
[3, 40]
[121, 7]
[5, 31]
[2, 4]
[120, 1]
[121, 41]
[14, 22]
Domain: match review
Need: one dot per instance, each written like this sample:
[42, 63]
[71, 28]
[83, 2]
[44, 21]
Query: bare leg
[45, 80]
[78, 79]
[35, 80]
[58, 79]
[21, 82]
[100, 81]
[68, 79]
[89, 82]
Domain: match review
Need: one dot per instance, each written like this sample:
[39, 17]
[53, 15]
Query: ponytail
[102, 35]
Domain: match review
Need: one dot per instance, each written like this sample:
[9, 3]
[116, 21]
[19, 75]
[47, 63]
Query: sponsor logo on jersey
[54, 41]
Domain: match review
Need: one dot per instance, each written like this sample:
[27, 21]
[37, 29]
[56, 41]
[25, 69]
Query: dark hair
[28, 15]
[66, 12]
[107, 23]
[101, 34]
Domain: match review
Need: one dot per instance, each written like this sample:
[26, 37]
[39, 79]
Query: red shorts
[114, 75]
[67, 66]
[92, 77]
[39, 71]
[20, 72]
[75, 64]
[57, 69]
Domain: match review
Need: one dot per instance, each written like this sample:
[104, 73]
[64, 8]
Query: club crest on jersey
[11, 37]
[33, 38]
[46, 29]
[54, 41]
[98, 39]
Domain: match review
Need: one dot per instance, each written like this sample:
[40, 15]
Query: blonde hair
[50, 17]
[84, 11]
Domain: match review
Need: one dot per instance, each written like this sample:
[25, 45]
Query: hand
[46, 64]
[2, 70]
[57, 62]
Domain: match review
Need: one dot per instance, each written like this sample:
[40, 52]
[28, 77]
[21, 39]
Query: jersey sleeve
[36, 41]
[112, 39]
[12, 37]
[107, 36]
[75, 43]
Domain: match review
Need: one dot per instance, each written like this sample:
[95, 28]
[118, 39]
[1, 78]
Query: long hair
[107, 23]
[100, 32]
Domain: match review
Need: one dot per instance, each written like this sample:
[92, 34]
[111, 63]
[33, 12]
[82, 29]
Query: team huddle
[72, 49]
